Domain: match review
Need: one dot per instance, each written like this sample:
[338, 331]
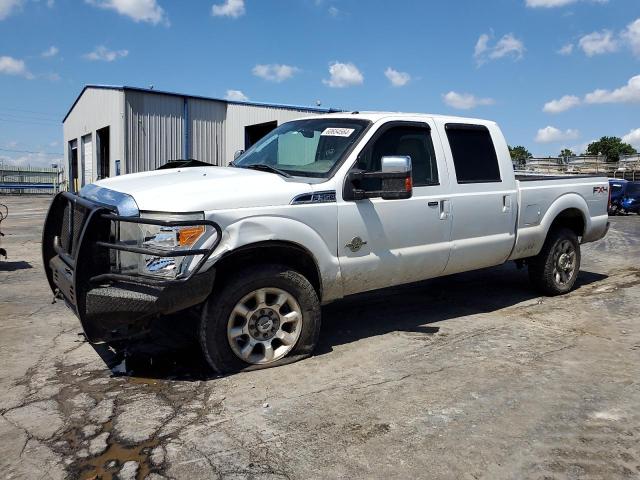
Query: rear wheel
[262, 316]
[555, 269]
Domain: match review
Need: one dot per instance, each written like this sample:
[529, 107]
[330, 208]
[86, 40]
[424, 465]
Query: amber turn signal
[187, 236]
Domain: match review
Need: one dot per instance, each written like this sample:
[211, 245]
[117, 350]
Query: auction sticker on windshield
[337, 132]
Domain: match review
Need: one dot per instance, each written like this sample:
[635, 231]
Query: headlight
[162, 238]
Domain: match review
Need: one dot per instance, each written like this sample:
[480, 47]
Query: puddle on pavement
[107, 465]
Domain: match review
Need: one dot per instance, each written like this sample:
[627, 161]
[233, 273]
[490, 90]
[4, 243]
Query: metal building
[113, 130]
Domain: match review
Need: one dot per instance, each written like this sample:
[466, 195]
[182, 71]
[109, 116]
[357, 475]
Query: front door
[390, 242]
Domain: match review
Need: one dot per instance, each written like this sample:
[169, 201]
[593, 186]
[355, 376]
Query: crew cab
[320, 208]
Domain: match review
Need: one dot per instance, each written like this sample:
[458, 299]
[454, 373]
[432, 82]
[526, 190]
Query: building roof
[184, 95]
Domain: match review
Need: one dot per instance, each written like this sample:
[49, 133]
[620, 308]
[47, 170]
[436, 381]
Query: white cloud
[552, 134]
[275, 72]
[633, 138]
[631, 36]
[598, 43]
[397, 79]
[53, 77]
[548, 3]
[52, 51]
[137, 10]
[629, 93]
[507, 46]
[7, 7]
[555, 3]
[343, 75]
[333, 11]
[14, 66]
[230, 8]
[481, 45]
[566, 49]
[465, 101]
[102, 53]
[236, 95]
[562, 104]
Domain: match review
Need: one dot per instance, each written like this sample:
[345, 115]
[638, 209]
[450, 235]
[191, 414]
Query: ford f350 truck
[320, 208]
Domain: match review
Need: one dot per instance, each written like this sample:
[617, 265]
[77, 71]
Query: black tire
[217, 310]
[542, 267]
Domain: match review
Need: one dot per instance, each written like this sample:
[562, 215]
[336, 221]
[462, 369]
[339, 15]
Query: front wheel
[262, 316]
[555, 269]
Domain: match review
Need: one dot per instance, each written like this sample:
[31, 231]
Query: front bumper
[77, 252]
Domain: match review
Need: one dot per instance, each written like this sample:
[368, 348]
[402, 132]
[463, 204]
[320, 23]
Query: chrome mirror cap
[396, 164]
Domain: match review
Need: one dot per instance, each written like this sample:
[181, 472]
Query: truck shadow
[412, 308]
[171, 350]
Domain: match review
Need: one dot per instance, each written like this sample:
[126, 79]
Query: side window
[474, 155]
[414, 142]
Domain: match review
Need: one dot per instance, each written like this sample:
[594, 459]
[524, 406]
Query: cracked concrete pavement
[466, 377]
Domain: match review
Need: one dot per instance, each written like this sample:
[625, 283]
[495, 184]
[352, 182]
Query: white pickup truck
[320, 208]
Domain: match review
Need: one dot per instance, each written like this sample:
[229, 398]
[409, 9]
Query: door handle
[433, 204]
[445, 209]
[506, 203]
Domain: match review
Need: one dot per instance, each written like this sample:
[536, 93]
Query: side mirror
[237, 154]
[395, 181]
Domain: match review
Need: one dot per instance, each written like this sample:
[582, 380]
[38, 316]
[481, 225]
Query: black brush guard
[77, 242]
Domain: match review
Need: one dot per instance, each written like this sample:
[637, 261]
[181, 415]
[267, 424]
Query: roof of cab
[377, 116]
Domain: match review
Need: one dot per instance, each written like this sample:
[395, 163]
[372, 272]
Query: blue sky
[553, 73]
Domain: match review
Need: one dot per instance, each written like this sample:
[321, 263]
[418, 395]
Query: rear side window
[474, 155]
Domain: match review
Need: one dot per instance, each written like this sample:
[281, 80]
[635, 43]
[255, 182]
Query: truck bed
[541, 198]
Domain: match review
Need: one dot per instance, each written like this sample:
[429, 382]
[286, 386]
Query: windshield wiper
[263, 167]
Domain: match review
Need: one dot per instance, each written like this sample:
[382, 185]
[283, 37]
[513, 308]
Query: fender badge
[355, 244]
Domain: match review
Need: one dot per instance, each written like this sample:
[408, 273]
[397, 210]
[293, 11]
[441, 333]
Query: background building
[111, 130]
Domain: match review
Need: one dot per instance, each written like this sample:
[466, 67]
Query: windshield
[309, 148]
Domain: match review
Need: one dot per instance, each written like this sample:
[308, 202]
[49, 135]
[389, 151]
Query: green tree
[519, 153]
[566, 153]
[610, 147]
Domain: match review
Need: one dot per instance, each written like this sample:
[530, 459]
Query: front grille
[72, 222]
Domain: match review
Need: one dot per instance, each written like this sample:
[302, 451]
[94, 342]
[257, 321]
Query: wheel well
[572, 219]
[288, 254]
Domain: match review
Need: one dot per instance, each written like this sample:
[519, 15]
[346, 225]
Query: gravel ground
[465, 377]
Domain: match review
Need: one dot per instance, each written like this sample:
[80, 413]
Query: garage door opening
[104, 162]
[253, 133]
[74, 168]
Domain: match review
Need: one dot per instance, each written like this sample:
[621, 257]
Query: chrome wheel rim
[264, 326]
[564, 262]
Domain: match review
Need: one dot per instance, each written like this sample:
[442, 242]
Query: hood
[206, 188]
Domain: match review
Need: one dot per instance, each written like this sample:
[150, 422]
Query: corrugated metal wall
[241, 116]
[153, 130]
[97, 108]
[206, 130]
[148, 128]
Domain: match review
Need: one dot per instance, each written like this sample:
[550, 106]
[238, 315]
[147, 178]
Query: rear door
[483, 199]
[390, 242]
